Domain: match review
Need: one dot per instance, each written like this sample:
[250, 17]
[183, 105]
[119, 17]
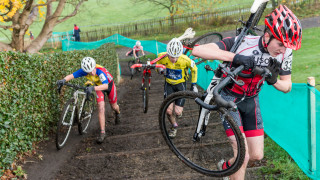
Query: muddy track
[134, 149]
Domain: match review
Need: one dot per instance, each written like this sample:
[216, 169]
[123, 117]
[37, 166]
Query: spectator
[76, 33]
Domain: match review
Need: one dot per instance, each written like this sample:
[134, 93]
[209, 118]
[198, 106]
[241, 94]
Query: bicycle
[76, 110]
[134, 61]
[146, 81]
[202, 155]
[198, 144]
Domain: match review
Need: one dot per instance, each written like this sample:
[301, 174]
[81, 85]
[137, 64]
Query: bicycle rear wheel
[145, 93]
[65, 124]
[86, 115]
[210, 37]
[204, 153]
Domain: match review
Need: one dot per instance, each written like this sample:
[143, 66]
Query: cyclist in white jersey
[273, 50]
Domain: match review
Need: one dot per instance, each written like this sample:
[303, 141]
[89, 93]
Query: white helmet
[88, 64]
[138, 43]
[174, 48]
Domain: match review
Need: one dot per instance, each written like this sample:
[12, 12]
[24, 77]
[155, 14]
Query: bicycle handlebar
[220, 102]
[151, 66]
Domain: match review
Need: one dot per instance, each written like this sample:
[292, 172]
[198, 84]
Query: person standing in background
[76, 33]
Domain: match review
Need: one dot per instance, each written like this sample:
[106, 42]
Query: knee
[169, 112]
[256, 156]
[101, 107]
[114, 106]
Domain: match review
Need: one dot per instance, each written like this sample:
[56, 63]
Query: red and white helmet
[285, 27]
[174, 48]
[88, 64]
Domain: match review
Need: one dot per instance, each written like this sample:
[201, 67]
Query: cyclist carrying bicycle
[104, 85]
[177, 65]
[135, 51]
[283, 32]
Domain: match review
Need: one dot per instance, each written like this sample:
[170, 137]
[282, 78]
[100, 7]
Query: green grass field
[306, 60]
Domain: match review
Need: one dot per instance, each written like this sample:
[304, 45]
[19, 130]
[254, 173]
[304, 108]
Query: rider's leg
[115, 107]
[101, 115]
[171, 115]
[256, 148]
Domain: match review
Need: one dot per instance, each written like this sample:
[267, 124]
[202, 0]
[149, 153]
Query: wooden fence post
[313, 126]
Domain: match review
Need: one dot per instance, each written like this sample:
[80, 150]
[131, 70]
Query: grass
[306, 60]
[279, 163]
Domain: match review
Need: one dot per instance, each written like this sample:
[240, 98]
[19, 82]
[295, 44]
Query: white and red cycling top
[137, 48]
[252, 46]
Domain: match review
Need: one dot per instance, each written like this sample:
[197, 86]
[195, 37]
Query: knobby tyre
[86, 115]
[65, 123]
[204, 39]
[256, 18]
[204, 154]
[131, 70]
[145, 93]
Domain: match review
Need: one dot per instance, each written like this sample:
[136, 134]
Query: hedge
[29, 103]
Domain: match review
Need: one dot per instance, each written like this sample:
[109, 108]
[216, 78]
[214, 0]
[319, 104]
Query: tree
[18, 15]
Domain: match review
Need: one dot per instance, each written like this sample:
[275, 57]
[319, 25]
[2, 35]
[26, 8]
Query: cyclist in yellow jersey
[176, 74]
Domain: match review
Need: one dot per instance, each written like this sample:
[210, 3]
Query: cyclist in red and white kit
[273, 50]
[135, 51]
[104, 86]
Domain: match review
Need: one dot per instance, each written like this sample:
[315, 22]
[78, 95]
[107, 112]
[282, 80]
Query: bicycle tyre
[131, 70]
[86, 115]
[63, 130]
[201, 155]
[145, 93]
[204, 39]
[256, 18]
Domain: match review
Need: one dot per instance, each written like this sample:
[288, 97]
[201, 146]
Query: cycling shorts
[248, 116]
[111, 92]
[169, 89]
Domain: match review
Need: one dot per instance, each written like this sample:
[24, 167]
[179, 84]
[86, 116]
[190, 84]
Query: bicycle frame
[205, 113]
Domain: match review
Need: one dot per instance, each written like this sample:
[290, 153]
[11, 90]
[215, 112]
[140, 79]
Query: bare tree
[20, 14]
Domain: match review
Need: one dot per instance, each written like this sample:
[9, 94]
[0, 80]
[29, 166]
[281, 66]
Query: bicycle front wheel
[210, 37]
[86, 115]
[145, 93]
[65, 124]
[205, 152]
[131, 70]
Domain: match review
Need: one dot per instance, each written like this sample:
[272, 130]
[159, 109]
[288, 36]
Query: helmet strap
[265, 45]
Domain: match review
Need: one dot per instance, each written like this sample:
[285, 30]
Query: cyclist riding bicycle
[283, 32]
[104, 85]
[177, 65]
[135, 51]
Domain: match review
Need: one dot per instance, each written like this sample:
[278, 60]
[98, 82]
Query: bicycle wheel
[204, 153]
[131, 70]
[204, 39]
[145, 93]
[256, 18]
[65, 124]
[86, 115]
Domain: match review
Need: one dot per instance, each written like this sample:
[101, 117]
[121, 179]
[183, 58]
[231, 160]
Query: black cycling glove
[274, 67]
[61, 82]
[248, 61]
[89, 89]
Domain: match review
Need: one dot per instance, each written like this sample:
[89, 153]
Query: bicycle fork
[205, 113]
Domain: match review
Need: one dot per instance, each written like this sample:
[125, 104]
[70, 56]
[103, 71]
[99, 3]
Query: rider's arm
[212, 51]
[284, 84]
[69, 77]
[101, 87]
[194, 71]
